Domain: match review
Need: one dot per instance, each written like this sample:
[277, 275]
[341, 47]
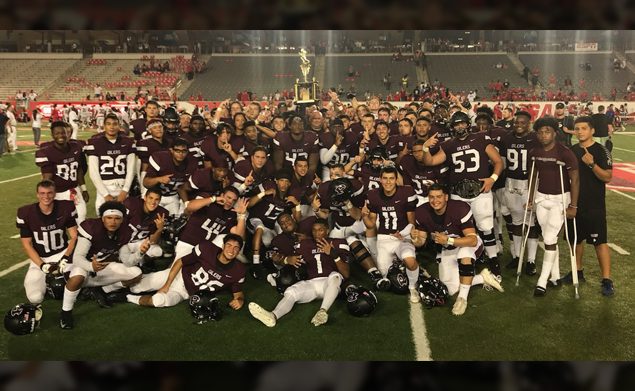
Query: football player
[391, 211]
[469, 156]
[251, 172]
[287, 146]
[48, 232]
[383, 139]
[146, 147]
[548, 198]
[207, 267]
[111, 162]
[101, 258]
[196, 136]
[204, 182]
[326, 269]
[61, 162]
[170, 170]
[146, 219]
[450, 225]
[217, 149]
[336, 146]
[416, 174]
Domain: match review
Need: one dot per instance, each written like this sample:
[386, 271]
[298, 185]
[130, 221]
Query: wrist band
[83, 187]
[285, 261]
[337, 259]
[451, 241]
[261, 194]
[494, 177]
[426, 149]
[573, 207]
[212, 199]
[242, 216]
[297, 207]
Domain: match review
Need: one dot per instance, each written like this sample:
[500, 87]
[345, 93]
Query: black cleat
[568, 278]
[530, 268]
[66, 320]
[540, 291]
[553, 284]
[118, 296]
[101, 298]
[513, 264]
[258, 271]
[494, 266]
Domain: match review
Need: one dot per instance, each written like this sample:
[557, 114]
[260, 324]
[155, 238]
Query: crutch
[574, 265]
[525, 233]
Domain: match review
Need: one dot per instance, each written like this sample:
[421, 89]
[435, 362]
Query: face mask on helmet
[22, 319]
[398, 278]
[433, 292]
[204, 306]
[360, 301]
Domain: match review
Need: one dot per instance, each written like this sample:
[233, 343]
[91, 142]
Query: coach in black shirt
[602, 125]
[595, 172]
[3, 132]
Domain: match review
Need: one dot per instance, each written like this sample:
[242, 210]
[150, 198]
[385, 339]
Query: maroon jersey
[141, 223]
[287, 243]
[248, 146]
[146, 147]
[457, 217]
[319, 264]
[112, 155]
[548, 171]
[269, 207]
[391, 146]
[406, 141]
[202, 270]
[341, 218]
[103, 246]
[196, 145]
[237, 142]
[302, 188]
[441, 130]
[218, 157]
[138, 127]
[207, 223]
[369, 176]
[496, 133]
[161, 163]
[467, 158]
[307, 145]
[348, 148]
[203, 183]
[48, 232]
[515, 150]
[418, 175]
[64, 165]
[392, 211]
[243, 168]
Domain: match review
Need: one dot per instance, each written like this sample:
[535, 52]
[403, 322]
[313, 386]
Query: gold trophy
[305, 91]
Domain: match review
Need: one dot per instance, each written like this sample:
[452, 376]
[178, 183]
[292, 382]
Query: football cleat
[460, 305]
[490, 280]
[66, 320]
[530, 268]
[258, 271]
[383, 284]
[320, 317]
[119, 296]
[568, 278]
[540, 291]
[553, 284]
[100, 297]
[414, 296]
[513, 264]
[494, 266]
[266, 317]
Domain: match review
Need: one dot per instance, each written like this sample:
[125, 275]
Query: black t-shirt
[561, 136]
[601, 125]
[592, 189]
[3, 122]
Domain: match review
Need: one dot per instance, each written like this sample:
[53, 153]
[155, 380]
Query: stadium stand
[600, 77]
[30, 74]
[464, 72]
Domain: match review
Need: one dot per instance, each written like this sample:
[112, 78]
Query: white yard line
[622, 149]
[624, 194]
[14, 267]
[419, 334]
[18, 178]
[618, 249]
[617, 159]
[15, 236]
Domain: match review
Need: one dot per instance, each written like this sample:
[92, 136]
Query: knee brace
[335, 278]
[360, 252]
[466, 270]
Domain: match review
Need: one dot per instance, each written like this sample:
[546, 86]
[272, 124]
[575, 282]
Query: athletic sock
[547, 264]
[68, 302]
[464, 290]
[413, 277]
[134, 299]
[532, 249]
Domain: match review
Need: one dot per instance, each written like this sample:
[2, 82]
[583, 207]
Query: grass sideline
[508, 326]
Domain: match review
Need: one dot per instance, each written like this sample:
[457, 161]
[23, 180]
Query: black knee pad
[466, 270]
[360, 252]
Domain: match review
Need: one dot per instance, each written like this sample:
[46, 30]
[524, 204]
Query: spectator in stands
[137, 70]
[404, 82]
[387, 81]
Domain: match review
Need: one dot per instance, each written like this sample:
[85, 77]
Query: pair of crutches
[525, 231]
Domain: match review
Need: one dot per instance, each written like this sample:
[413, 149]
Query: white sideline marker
[618, 249]
[15, 236]
[624, 194]
[14, 267]
[419, 334]
[18, 178]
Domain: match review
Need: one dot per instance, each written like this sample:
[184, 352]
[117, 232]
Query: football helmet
[204, 306]
[55, 287]
[170, 234]
[398, 278]
[171, 120]
[340, 190]
[433, 292]
[22, 319]
[360, 301]
[456, 119]
[288, 276]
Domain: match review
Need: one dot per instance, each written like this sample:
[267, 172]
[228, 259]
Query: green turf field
[497, 326]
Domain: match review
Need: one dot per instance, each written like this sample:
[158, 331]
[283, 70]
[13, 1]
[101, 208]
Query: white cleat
[266, 317]
[320, 317]
[490, 280]
[460, 305]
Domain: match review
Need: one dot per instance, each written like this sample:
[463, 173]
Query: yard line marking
[622, 149]
[419, 335]
[624, 194]
[14, 267]
[615, 187]
[18, 178]
[15, 236]
[618, 249]
[618, 159]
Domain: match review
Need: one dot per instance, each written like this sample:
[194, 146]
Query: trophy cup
[305, 91]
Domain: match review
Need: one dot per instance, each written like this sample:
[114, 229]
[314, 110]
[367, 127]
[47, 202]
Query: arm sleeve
[93, 171]
[130, 256]
[130, 172]
[79, 256]
[327, 154]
